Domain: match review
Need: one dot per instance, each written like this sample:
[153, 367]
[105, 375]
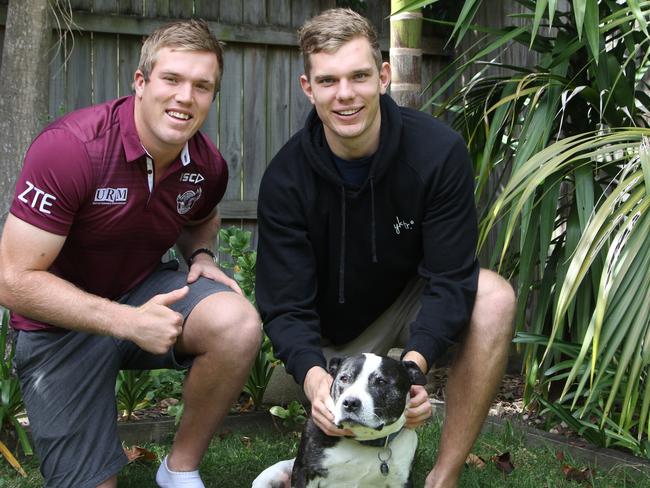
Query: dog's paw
[276, 476]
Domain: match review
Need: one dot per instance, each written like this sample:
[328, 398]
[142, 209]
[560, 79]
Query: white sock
[166, 478]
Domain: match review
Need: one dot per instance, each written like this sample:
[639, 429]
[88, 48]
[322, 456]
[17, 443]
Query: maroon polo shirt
[87, 177]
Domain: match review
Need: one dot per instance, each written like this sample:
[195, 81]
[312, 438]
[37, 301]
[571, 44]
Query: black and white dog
[370, 395]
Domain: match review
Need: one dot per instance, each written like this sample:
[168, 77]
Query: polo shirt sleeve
[54, 182]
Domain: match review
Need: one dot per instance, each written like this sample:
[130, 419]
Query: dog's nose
[351, 404]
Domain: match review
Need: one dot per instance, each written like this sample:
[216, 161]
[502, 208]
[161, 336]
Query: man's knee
[240, 320]
[226, 321]
[495, 304]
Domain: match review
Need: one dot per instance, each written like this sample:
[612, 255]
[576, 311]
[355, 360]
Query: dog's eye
[344, 378]
[380, 381]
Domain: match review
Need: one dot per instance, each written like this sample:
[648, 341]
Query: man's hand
[203, 265]
[317, 388]
[158, 326]
[419, 407]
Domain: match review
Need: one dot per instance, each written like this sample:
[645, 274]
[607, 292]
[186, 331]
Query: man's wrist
[198, 252]
[418, 359]
[313, 378]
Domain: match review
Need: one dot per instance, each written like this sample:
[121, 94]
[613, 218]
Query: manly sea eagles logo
[186, 200]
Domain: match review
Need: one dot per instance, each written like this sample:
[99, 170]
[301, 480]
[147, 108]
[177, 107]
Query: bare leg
[224, 332]
[475, 374]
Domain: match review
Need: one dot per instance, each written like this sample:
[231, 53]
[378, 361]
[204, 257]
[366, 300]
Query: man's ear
[138, 83]
[306, 87]
[385, 75]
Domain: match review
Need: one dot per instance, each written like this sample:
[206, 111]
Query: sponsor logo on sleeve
[110, 196]
[37, 198]
[186, 200]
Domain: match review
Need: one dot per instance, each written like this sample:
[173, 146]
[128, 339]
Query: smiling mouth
[178, 115]
[349, 112]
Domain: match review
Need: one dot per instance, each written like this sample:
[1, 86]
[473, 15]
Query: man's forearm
[199, 235]
[42, 296]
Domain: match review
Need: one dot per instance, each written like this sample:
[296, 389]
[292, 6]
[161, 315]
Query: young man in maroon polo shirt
[104, 192]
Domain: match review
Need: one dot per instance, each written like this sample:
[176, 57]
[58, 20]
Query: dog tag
[384, 468]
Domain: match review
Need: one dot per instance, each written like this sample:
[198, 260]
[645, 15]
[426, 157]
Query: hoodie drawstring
[342, 256]
[373, 230]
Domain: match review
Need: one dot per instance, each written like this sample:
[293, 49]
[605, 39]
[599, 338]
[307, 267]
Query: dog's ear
[334, 365]
[415, 373]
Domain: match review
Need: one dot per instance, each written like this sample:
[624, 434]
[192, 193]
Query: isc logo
[192, 178]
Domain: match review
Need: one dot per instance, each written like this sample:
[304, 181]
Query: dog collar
[382, 441]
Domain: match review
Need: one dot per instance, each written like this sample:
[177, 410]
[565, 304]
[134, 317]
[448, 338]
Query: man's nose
[345, 90]
[184, 93]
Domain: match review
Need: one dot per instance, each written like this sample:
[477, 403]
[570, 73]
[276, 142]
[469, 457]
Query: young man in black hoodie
[367, 240]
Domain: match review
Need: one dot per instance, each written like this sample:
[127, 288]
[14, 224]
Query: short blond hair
[184, 35]
[329, 30]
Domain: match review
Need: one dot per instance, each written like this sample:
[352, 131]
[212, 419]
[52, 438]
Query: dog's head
[371, 393]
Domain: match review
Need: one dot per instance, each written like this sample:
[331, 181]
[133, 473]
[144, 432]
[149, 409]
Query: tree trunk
[406, 55]
[24, 81]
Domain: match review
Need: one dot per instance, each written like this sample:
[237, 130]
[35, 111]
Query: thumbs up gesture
[157, 326]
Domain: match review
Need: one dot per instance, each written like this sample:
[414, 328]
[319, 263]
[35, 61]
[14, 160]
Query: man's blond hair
[328, 31]
[184, 35]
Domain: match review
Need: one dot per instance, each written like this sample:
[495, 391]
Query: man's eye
[361, 76]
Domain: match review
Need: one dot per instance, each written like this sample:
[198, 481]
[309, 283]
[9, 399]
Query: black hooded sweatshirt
[332, 258]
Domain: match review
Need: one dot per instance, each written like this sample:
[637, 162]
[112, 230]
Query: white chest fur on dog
[351, 465]
[370, 395]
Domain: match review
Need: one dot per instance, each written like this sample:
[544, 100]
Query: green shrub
[236, 243]
[11, 400]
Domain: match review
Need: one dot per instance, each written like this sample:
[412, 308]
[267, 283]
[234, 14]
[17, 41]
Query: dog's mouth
[363, 431]
[352, 424]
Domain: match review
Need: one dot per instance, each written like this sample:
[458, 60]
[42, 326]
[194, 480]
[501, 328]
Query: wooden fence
[260, 104]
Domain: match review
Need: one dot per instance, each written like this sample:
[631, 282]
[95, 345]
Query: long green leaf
[592, 33]
[464, 19]
[540, 7]
[414, 6]
[579, 11]
[552, 4]
[644, 157]
[638, 13]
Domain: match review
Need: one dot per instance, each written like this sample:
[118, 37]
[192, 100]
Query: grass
[234, 460]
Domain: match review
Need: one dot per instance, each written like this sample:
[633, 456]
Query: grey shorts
[68, 385]
[391, 329]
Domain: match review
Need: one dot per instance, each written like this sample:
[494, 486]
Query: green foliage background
[561, 159]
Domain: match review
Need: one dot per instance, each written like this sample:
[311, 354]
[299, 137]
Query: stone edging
[163, 429]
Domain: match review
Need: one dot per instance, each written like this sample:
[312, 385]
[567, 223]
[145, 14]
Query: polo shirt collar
[133, 148]
[185, 154]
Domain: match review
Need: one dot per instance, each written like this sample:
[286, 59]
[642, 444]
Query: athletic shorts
[68, 384]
